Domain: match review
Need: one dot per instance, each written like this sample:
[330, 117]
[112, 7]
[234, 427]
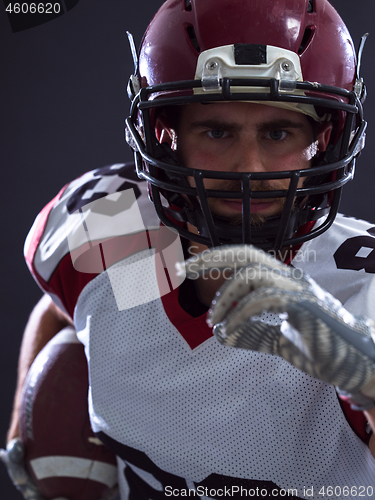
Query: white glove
[13, 459]
[315, 333]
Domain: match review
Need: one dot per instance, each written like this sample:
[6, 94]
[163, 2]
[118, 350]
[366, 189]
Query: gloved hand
[13, 458]
[312, 331]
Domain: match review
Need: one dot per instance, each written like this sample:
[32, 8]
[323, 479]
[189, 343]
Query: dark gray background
[63, 103]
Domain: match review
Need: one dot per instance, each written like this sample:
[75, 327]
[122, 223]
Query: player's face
[246, 137]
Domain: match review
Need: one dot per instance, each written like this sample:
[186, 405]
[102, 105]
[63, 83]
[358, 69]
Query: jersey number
[347, 255]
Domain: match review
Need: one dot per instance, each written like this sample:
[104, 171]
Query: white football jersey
[185, 415]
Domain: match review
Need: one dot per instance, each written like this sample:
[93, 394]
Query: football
[62, 454]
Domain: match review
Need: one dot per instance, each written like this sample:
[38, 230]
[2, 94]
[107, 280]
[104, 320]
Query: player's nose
[248, 158]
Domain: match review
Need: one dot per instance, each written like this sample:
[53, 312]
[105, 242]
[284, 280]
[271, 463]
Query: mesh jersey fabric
[170, 399]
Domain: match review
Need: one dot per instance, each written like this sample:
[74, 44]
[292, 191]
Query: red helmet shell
[169, 52]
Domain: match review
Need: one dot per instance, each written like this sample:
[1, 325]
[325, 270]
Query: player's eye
[217, 134]
[276, 135]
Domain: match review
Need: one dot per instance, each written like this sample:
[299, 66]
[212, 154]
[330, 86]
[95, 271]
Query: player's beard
[257, 219]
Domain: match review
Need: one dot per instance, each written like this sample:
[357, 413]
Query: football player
[246, 121]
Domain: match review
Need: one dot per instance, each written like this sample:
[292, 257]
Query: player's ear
[324, 134]
[163, 131]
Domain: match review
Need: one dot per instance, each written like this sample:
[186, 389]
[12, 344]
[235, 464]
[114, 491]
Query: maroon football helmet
[296, 54]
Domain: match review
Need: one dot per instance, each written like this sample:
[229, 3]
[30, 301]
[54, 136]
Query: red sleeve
[63, 273]
[35, 236]
[65, 283]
